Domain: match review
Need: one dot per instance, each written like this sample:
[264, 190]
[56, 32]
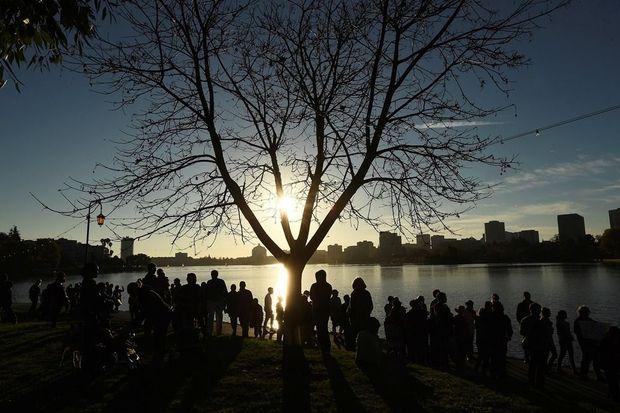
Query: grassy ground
[230, 374]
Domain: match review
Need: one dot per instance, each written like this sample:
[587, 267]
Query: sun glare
[288, 206]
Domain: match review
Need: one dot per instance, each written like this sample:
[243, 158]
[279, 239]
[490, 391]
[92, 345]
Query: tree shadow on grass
[346, 400]
[296, 380]
[397, 387]
[153, 389]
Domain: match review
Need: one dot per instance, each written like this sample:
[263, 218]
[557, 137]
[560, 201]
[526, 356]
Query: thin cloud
[559, 172]
[456, 124]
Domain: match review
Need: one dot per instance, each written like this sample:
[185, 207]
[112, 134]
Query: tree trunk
[295, 306]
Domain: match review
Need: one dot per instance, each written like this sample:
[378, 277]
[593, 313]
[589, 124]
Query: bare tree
[349, 107]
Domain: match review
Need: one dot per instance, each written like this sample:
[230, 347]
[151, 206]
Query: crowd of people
[430, 334]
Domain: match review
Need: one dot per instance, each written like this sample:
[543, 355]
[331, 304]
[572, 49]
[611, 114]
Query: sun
[287, 206]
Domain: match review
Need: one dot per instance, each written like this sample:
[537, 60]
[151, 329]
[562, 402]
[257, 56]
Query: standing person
[6, 300]
[524, 327]
[470, 321]
[33, 294]
[442, 334]
[320, 294]
[585, 330]
[216, 293]
[461, 335]
[523, 310]
[360, 307]
[546, 318]
[345, 326]
[246, 304]
[501, 334]
[57, 297]
[117, 296]
[334, 311]
[232, 308]
[280, 319]
[537, 337]
[610, 360]
[565, 339]
[150, 279]
[189, 306]
[416, 328]
[388, 306]
[395, 330]
[257, 319]
[483, 337]
[268, 312]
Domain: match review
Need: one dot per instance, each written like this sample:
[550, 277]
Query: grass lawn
[228, 374]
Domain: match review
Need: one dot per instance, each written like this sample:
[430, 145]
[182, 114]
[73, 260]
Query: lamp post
[100, 222]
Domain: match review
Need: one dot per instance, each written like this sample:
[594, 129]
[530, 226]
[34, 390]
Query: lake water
[552, 285]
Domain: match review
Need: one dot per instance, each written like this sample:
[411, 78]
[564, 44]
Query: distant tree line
[25, 259]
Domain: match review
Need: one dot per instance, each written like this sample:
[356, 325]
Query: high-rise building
[437, 241]
[530, 236]
[126, 247]
[423, 241]
[334, 254]
[363, 251]
[494, 231]
[181, 258]
[390, 244]
[571, 227]
[614, 218]
[259, 252]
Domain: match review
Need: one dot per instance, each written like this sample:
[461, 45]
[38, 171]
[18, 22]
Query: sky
[57, 127]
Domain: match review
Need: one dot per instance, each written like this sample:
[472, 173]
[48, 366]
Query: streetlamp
[100, 222]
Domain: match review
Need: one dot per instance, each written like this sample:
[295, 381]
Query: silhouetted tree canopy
[38, 33]
[350, 107]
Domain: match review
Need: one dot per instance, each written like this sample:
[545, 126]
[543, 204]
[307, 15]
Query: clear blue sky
[57, 127]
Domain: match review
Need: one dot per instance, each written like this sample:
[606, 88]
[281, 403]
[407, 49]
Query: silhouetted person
[388, 306]
[470, 317]
[416, 327]
[610, 360]
[537, 337]
[280, 319]
[216, 293]
[345, 327]
[34, 293]
[57, 298]
[523, 310]
[189, 305]
[368, 353]
[157, 313]
[334, 311]
[360, 306]
[565, 339]
[268, 307]
[150, 279]
[484, 337]
[320, 294]
[6, 300]
[553, 351]
[232, 308]
[434, 300]
[257, 318]
[135, 312]
[501, 334]
[117, 296]
[463, 334]
[395, 329]
[307, 320]
[246, 304]
[586, 331]
[441, 332]
[524, 326]
[162, 286]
